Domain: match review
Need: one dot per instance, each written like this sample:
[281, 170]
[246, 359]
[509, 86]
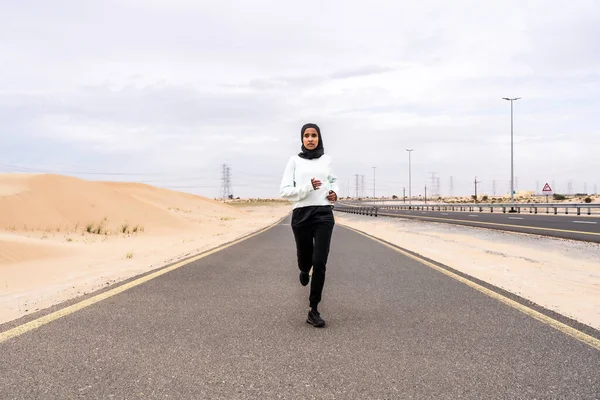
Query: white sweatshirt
[296, 183]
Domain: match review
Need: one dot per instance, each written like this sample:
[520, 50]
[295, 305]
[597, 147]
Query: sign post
[547, 190]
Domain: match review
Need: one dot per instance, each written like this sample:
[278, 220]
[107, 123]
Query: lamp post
[409, 178]
[512, 165]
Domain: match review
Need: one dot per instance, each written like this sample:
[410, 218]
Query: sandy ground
[561, 275]
[61, 237]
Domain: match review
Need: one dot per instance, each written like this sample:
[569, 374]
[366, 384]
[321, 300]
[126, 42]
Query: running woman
[309, 182]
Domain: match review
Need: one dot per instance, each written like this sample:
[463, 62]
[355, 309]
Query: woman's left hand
[332, 196]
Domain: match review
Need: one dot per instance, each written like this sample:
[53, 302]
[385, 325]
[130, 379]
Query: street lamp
[512, 165]
[409, 179]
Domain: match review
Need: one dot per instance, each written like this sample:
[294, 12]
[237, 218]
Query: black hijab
[318, 151]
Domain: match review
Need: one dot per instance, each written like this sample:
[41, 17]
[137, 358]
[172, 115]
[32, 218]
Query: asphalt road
[232, 326]
[582, 228]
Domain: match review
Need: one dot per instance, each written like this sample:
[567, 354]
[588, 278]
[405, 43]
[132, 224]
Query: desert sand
[61, 237]
[560, 275]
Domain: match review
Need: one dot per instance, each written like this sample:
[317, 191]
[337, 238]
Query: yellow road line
[491, 223]
[585, 338]
[29, 326]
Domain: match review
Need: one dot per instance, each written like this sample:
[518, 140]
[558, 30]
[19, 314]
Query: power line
[195, 178]
[432, 188]
[215, 186]
[55, 171]
[570, 186]
[192, 187]
[226, 183]
[362, 186]
[165, 177]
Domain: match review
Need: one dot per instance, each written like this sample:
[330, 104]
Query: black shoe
[314, 318]
[304, 278]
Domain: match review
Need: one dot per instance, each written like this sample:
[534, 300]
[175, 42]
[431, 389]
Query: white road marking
[473, 215]
[584, 222]
[515, 218]
[444, 213]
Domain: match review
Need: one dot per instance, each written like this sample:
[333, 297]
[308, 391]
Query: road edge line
[564, 328]
[43, 320]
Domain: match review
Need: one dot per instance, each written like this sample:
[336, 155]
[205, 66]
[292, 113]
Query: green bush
[588, 200]
[557, 196]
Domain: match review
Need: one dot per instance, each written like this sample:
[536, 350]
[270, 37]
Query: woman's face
[310, 139]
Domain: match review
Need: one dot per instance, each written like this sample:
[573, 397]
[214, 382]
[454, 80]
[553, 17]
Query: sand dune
[60, 203]
[16, 249]
[62, 236]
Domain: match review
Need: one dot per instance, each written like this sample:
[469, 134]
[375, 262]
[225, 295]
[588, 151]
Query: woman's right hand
[316, 184]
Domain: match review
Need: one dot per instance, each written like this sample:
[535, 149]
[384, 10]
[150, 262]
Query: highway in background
[575, 227]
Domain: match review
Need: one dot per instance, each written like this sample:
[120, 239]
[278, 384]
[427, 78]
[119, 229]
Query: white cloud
[179, 86]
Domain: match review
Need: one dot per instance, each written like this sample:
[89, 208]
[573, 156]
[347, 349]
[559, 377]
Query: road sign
[547, 190]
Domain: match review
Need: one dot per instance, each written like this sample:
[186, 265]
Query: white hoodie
[296, 183]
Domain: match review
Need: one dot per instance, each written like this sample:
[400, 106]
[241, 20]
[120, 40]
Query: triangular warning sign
[546, 188]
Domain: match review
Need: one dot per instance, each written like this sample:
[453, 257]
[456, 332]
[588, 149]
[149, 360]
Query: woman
[308, 181]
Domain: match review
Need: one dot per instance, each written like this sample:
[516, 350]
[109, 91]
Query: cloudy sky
[167, 91]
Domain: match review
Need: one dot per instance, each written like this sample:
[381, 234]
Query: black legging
[312, 228]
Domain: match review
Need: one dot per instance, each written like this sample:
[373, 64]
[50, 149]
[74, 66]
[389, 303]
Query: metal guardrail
[361, 210]
[505, 207]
